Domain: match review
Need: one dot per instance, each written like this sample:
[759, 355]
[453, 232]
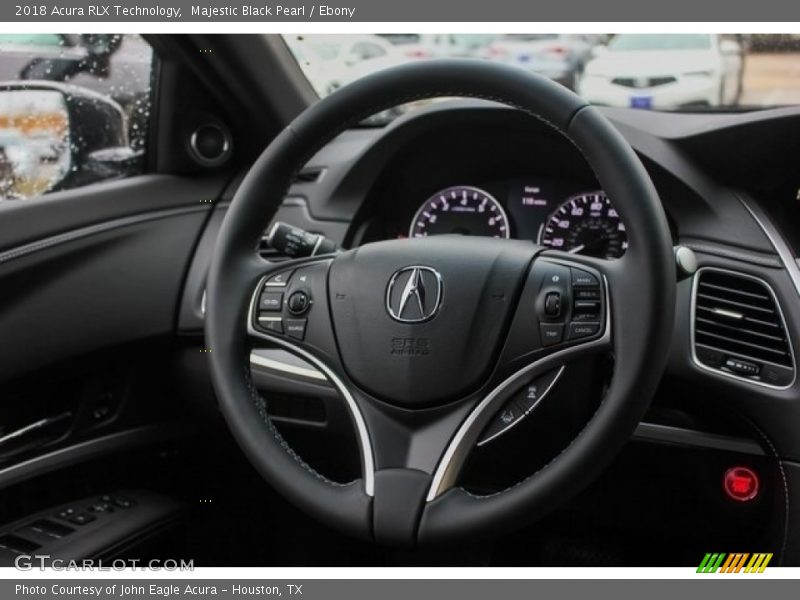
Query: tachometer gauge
[461, 209]
[586, 224]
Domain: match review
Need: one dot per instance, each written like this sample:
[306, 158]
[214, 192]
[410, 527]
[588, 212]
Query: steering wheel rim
[640, 313]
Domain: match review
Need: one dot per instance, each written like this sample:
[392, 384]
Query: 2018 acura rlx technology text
[399, 299]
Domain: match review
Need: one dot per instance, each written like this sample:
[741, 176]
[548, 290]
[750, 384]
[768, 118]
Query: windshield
[692, 72]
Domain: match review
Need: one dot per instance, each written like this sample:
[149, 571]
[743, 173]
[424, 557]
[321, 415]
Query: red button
[741, 484]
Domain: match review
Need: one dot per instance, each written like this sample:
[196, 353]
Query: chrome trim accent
[213, 161]
[457, 451]
[35, 426]
[654, 432]
[774, 237]
[728, 313]
[282, 367]
[271, 233]
[410, 289]
[316, 245]
[88, 450]
[692, 317]
[358, 418]
[527, 412]
[80, 233]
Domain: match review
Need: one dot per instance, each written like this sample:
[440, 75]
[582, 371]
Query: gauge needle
[576, 249]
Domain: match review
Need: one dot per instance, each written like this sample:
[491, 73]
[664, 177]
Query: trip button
[296, 328]
[272, 301]
[551, 333]
[581, 330]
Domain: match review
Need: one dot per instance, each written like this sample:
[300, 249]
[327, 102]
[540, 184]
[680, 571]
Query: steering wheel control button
[586, 310]
[583, 279]
[535, 391]
[279, 280]
[582, 330]
[298, 302]
[296, 328]
[520, 406]
[271, 324]
[587, 293]
[506, 418]
[552, 305]
[271, 301]
[551, 333]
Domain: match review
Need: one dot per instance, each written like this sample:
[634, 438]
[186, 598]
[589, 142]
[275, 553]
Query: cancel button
[580, 330]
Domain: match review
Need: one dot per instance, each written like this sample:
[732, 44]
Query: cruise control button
[271, 301]
[580, 330]
[280, 279]
[273, 324]
[582, 278]
[551, 333]
[296, 328]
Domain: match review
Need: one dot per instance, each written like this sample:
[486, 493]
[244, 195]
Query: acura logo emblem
[414, 294]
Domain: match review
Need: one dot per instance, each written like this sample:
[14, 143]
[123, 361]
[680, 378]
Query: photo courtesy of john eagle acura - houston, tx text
[373, 299]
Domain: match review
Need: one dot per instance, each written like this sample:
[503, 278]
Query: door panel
[96, 267]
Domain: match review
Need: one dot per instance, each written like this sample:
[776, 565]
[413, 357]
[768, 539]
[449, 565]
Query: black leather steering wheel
[426, 338]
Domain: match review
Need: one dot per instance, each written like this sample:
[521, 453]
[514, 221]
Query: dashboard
[475, 168]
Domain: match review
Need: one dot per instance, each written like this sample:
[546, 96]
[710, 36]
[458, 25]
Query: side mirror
[730, 47]
[55, 136]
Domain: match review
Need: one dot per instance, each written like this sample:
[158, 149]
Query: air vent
[309, 175]
[739, 329]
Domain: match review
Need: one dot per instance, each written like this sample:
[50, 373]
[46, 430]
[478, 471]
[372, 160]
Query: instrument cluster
[553, 213]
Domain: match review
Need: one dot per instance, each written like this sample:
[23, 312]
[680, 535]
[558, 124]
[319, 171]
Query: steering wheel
[427, 338]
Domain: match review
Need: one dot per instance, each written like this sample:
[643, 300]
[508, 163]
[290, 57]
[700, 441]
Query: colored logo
[740, 562]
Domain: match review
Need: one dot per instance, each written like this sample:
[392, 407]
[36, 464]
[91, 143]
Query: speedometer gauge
[586, 224]
[463, 210]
